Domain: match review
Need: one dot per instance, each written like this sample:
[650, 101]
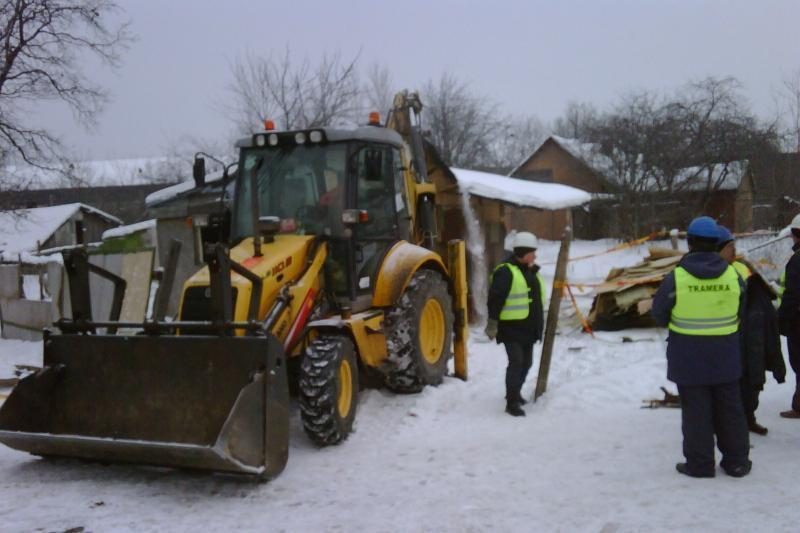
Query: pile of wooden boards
[625, 298]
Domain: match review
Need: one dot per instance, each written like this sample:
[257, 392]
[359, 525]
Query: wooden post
[552, 313]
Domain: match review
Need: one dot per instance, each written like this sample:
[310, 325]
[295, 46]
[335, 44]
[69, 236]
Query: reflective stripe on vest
[517, 304]
[742, 269]
[781, 287]
[706, 306]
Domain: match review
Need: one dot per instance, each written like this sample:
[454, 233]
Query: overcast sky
[532, 57]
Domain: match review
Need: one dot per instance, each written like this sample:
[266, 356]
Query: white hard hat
[794, 224]
[525, 239]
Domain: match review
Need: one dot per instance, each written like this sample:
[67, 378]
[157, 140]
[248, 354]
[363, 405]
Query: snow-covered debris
[129, 229]
[24, 230]
[518, 191]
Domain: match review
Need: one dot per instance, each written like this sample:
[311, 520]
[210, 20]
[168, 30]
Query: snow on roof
[518, 191]
[176, 190]
[588, 153]
[25, 229]
[141, 171]
[129, 229]
[728, 175]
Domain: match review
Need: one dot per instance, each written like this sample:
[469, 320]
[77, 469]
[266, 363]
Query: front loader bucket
[215, 403]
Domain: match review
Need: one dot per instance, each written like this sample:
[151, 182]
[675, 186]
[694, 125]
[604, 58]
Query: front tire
[419, 333]
[329, 389]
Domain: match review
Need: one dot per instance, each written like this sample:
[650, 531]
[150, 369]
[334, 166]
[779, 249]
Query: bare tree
[44, 43]
[667, 156]
[790, 95]
[461, 124]
[378, 88]
[577, 119]
[628, 137]
[298, 94]
[515, 140]
[718, 129]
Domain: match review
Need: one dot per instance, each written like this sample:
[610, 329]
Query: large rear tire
[329, 389]
[419, 334]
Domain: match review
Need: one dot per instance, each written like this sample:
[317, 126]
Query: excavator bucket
[208, 402]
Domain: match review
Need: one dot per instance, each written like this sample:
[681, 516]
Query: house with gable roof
[583, 165]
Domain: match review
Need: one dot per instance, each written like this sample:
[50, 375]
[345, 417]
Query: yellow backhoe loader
[326, 275]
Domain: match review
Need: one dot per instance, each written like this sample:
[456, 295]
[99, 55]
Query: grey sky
[532, 57]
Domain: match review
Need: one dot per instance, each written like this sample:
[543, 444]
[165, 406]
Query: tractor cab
[345, 186]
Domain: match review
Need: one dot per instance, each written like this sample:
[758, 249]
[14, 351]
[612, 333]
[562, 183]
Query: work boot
[522, 401]
[683, 468]
[739, 470]
[791, 413]
[757, 428]
[514, 409]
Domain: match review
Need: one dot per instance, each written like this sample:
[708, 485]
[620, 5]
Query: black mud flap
[207, 402]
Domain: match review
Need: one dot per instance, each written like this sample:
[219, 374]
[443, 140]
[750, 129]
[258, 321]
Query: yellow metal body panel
[283, 262]
[366, 330]
[304, 295]
[399, 265]
[370, 341]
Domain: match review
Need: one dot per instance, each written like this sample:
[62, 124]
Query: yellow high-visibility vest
[742, 269]
[518, 303]
[706, 307]
[781, 287]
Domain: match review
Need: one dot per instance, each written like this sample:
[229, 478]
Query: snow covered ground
[586, 458]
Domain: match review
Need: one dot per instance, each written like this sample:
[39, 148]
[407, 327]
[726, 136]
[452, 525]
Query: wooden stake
[552, 312]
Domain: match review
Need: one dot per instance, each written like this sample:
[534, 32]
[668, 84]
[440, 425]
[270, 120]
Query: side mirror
[199, 171]
[268, 226]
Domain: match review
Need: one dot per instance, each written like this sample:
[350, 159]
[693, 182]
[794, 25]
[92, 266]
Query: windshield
[303, 185]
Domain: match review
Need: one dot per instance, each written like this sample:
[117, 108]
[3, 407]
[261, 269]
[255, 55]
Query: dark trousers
[793, 343]
[708, 410]
[520, 359]
[750, 395]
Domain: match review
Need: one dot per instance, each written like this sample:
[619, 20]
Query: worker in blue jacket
[700, 302]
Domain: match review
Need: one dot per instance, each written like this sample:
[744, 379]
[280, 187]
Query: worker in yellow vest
[789, 313]
[760, 341]
[516, 314]
[700, 302]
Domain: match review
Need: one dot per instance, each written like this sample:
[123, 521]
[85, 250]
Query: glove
[491, 328]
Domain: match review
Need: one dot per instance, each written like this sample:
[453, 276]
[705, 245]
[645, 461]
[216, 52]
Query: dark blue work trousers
[709, 410]
[793, 343]
[520, 359]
